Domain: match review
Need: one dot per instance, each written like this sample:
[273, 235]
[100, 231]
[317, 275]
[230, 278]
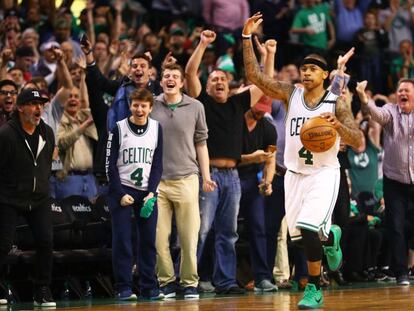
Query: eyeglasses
[5, 93]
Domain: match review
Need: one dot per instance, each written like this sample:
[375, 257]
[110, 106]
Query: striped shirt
[398, 133]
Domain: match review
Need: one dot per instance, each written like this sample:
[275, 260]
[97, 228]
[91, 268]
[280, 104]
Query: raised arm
[368, 106]
[269, 86]
[83, 88]
[193, 83]
[64, 78]
[340, 79]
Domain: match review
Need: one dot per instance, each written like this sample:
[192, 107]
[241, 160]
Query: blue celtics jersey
[136, 152]
[297, 158]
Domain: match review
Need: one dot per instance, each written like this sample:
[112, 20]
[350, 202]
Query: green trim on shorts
[307, 226]
[296, 237]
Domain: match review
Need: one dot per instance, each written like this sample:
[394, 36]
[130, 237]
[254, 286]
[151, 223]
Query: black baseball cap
[28, 95]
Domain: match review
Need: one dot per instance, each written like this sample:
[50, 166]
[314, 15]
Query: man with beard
[26, 145]
[8, 95]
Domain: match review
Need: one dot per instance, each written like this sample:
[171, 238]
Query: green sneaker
[312, 298]
[334, 253]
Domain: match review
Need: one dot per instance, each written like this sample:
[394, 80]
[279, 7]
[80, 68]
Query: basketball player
[312, 179]
[134, 168]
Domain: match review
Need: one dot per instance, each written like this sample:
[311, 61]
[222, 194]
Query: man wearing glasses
[8, 95]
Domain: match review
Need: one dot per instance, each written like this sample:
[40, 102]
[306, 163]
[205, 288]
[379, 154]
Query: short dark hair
[143, 56]
[173, 67]
[8, 82]
[218, 69]
[143, 95]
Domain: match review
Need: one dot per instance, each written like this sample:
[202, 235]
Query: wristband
[246, 36]
[91, 64]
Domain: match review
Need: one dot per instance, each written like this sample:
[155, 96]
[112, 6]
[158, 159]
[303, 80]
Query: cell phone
[84, 39]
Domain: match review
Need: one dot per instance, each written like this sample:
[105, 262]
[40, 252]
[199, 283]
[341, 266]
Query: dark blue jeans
[274, 213]
[253, 208]
[220, 209]
[399, 198]
[122, 250]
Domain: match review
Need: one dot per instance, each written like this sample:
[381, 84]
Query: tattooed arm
[344, 123]
[348, 129]
[269, 86]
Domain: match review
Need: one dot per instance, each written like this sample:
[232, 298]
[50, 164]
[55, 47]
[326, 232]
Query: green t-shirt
[364, 168]
[396, 66]
[317, 18]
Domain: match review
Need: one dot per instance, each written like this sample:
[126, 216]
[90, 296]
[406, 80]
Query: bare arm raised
[193, 83]
[268, 85]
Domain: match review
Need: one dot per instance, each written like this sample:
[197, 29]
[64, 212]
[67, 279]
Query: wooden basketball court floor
[375, 297]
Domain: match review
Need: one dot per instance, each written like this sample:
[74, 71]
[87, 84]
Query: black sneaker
[403, 280]
[43, 297]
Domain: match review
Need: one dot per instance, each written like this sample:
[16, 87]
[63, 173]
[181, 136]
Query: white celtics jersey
[297, 158]
[136, 152]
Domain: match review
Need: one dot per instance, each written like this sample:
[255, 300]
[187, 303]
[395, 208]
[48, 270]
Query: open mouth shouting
[171, 85]
[8, 105]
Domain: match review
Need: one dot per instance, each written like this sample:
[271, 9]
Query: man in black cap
[27, 145]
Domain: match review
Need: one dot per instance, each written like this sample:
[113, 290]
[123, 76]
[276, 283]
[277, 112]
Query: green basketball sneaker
[334, 253]
[312, 298]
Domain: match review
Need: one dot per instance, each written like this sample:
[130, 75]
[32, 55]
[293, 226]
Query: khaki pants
[181, 197]
[281, 268]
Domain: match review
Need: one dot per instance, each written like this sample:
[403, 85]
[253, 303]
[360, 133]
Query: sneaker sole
[170, 295]
[192, 297]
[3, 302]
[44, 304]
[302, 307]
[130, 298]
[265, 290]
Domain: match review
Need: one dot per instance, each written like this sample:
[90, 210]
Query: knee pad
[312, 245]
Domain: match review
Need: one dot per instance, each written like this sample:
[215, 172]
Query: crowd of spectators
[86, 67]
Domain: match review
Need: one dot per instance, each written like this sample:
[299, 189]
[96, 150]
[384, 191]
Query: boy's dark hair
[143, 95]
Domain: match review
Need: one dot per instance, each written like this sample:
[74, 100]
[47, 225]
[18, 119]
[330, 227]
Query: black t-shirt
[263, 135]
[33, 140]
[225, 124]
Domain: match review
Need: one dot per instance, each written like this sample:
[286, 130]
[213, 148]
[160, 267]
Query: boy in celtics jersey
[312, 179]
[134, 169]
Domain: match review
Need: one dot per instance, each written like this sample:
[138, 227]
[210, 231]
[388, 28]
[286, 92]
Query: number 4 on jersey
[137, 177]
[306, 154]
